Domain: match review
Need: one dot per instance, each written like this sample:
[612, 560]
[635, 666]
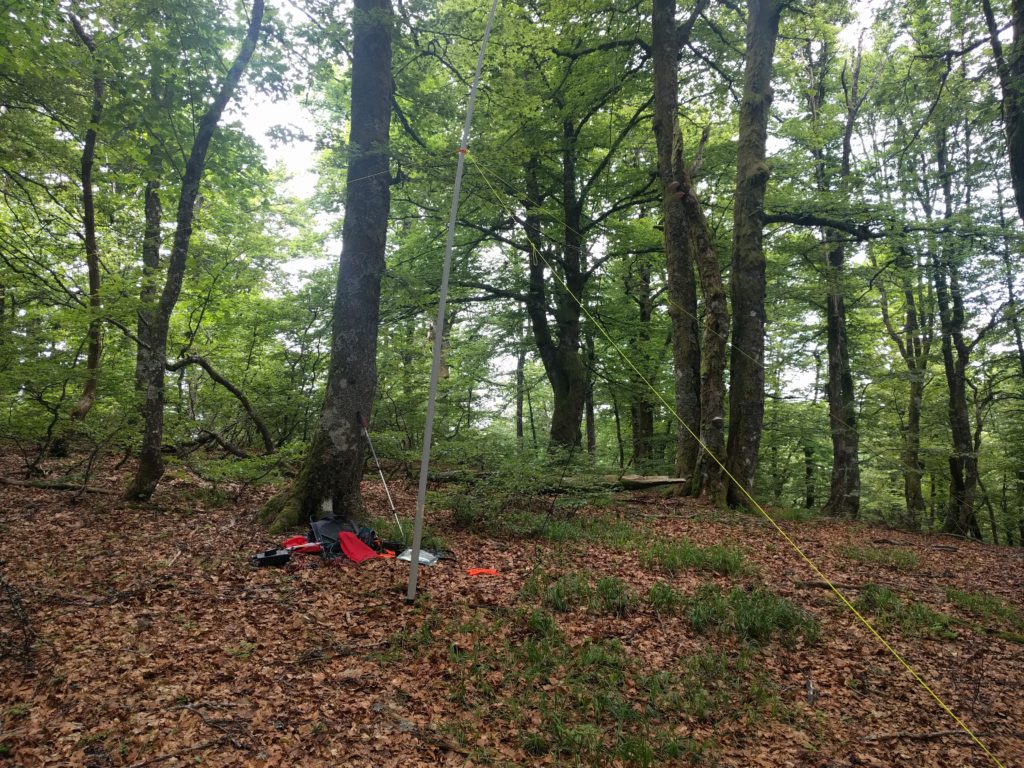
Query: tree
[92, 255]
[675, 181]
[333, 467]
[1010, 69]
[747, 280]
[154, 359]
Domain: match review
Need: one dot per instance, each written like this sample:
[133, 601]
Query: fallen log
[642, 482]
[55, 486]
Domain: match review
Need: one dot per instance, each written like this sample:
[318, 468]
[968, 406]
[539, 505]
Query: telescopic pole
[428, 429]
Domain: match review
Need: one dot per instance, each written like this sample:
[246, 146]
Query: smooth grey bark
[638, 288]
[147, 312]
[520, 384]
[333, 467]
[588, 413]
[747, 280]
[152, 358]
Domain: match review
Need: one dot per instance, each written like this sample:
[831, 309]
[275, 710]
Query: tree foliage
[879, 219]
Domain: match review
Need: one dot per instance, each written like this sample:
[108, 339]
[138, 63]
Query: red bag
[354, 549]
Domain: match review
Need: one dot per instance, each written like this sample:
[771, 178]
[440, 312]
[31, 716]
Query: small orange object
[463, 150]
[481, 572]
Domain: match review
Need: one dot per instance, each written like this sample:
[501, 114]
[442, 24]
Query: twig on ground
[171, 755]
[920, 736]
[55, 486]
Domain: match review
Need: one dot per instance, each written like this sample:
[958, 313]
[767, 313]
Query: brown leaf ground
[140, 635]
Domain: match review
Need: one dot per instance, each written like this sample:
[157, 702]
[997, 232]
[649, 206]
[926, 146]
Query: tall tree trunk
[913, 340]
[153, 359]
[520, 384]
[589, 418]
[333, 467]
[808, 477]
[747, 283]
[1012, 311]
[638, 288]
[682, 289]
[1011, 81]
[562, 361]
[710, 481]
[92, 253]
[146, 316]
[618, 432]
[963, 462]
[844, 491]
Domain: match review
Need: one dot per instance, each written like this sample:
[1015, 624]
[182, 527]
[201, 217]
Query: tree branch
[268, 441]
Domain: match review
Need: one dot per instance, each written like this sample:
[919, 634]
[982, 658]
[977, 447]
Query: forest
[760, 255]
[838, 323]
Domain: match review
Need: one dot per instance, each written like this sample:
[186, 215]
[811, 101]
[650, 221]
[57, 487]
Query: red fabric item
[299, 545]
[354, 549]
[481, 572]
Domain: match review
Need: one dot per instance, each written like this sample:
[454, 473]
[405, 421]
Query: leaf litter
[140, 635]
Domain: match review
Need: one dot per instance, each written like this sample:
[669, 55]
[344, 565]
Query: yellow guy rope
[743, 490]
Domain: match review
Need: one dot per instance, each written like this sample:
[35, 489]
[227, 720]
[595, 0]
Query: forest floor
[636, 630]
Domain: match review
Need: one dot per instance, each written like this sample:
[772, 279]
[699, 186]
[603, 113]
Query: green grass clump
[675, 556]
[753, 617]
[900, 559]
[985, 606]
[911, 618]
[760, 615]
[717, 685]
[665, 599]
[541, 624]
[570, 591]
[707, 608]
[795, 514]
[613, 596]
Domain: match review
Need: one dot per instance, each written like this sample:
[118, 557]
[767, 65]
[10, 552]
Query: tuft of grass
[678, 555]
[613, 596]
[895, 557]
[986, 606]
[795, 514]
[243, 650]
[717, 686]
[707, 608]
[665, 599]
[387, 530]
[534, 744]
[570, 591]
[542, 625]
[911, 618]
[753, 617]
[760, 615]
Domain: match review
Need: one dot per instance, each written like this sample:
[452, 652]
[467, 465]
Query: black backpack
[325, 532]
